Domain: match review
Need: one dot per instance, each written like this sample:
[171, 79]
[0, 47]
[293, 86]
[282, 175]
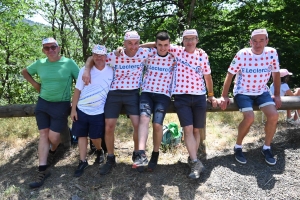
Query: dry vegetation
[223, 178]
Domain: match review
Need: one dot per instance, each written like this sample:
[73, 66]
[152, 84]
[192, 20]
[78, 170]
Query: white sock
[238, 146]
[266, 147]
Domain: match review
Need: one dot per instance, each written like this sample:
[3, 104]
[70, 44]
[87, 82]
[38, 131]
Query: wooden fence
[27, 110]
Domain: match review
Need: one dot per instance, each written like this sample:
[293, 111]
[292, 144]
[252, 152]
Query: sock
[195, 160]
[110, 155]
[238, 146]
[43, 168]
[266, 147]
[156, 154]
[52, 152]
[142, 152]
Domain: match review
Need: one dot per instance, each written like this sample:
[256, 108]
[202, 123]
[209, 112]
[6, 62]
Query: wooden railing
[27, 110]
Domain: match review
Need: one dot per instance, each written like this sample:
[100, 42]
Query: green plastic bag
[171, 134]
[173, 128]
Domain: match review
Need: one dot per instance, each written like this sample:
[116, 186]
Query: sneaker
[196, 169]
[100, 156]
[50, 158]
[153, 161]
[81, 167]
[269, 158]
[295, 122]
[134, 155]
[239, 156]
[290, 120]
[40, 178]
[107, 167]
[140, 162]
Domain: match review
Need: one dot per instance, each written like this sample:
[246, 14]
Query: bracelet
[210, 94]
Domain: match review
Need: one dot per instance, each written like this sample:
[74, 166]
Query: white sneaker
[296, 122]
[290, 120]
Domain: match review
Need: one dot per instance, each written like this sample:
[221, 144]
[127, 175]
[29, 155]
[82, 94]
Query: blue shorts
[157, 104]
[89, 125]
[245, 102]
[52, 115]
[191, 109]
[116, 99]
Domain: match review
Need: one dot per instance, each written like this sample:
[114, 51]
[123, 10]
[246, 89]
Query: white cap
[284, 72]
[259, 32]
[131, 35]
[99, 49]
[49, 40]
[190, 32]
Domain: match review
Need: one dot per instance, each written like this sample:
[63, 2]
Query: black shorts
[89, 125]
[52, 115]
[157, 104]
[191, 109]
[116, 99]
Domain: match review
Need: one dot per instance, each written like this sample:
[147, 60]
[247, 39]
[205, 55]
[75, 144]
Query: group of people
[110, 81]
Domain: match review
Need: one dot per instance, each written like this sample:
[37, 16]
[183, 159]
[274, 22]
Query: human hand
[213, 101]
[74, 115]
[277, 101]
[119, 51]
[223, 102]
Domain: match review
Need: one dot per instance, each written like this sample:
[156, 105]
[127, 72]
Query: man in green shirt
[56, 75]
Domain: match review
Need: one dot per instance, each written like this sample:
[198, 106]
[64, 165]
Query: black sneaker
[269, 158]
[107, 167]
[239, 156]
[153, 161]
[140, 161]
[134, 155]
[81, 167]
[40, 178]
[100, 156]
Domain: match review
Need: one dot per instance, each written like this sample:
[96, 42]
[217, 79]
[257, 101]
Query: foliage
[224, 27]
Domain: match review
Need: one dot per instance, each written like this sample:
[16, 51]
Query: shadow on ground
[222, 176]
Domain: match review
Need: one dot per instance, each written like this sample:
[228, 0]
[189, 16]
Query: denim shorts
[89, 125]
[157, 104]
[245, 102]
[52, 115]
[116, 99]
[191, 109]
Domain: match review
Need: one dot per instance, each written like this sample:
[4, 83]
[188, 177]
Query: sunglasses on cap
[51, 47]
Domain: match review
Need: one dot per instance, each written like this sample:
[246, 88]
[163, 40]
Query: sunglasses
[48, 48]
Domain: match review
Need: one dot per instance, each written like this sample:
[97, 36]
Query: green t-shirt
[56, 78]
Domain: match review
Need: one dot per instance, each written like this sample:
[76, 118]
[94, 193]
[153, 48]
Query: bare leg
[143, 132]
[82, 144]
[271, 123]
[244, 126]
[135, 119]
[190, 141]
[97, 143]
[110, 125]
[43, 147]
[157, 136]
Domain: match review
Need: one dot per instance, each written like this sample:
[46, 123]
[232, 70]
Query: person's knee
[249, 117]
[273, 117]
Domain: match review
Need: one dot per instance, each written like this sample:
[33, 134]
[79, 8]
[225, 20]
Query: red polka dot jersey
[128, 71]
[158, 74]
[188, 75]
[253, 71]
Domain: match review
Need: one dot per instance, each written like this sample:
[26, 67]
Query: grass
[221, 131]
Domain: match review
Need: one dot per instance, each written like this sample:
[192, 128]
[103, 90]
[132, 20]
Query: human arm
[29, 78]
[148, 45]
[276, 83]
[224, 101]
[75, 99]
[210, 90]
[86, 77]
